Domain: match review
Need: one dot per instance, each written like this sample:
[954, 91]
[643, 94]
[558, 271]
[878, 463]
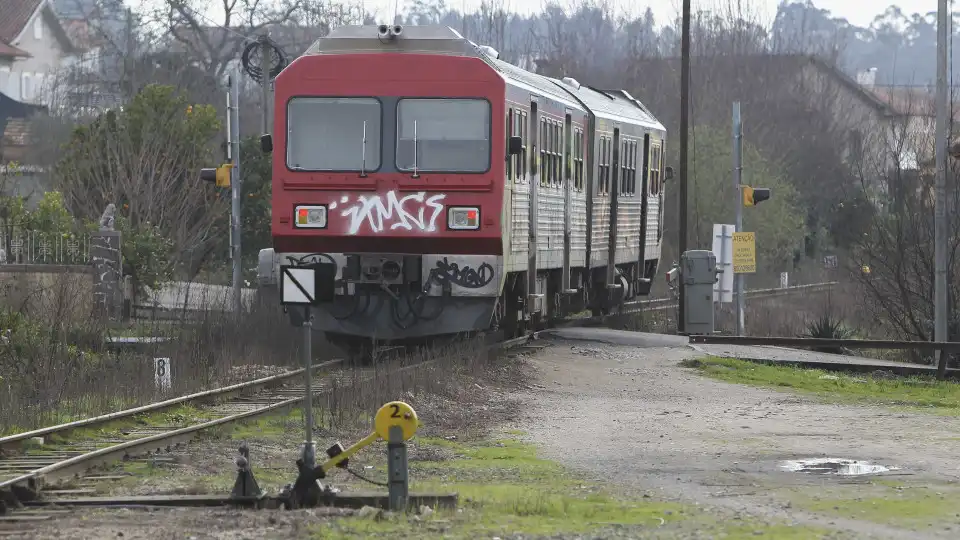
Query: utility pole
[940, 211]
[129, 58]
[233, 146]
[684, 140]
[265, 83]
[737, 176]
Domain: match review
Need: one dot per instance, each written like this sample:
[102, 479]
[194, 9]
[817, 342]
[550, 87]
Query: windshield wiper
[363, 152]
[416, 151]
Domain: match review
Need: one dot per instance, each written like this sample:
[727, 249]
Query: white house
[33, 46]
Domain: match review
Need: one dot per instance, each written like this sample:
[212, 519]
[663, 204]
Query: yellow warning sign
[744, 253]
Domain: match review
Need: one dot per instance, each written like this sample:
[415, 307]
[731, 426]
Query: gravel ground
[630, 414]
[468, 406]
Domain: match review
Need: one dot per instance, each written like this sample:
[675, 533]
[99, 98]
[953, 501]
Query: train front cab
[388, 165]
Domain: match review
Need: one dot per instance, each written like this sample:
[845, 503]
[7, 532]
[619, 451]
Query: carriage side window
[655, 169]
[544, 142]
[510, 133]
[557, 154]
[578, 159]
[625, 188]
[633, 168]
[604, 172]
[443, 135]
[328, 134]
[525, 138]
[551, 155]
[599, 160]
[629, 159]
[624, 163]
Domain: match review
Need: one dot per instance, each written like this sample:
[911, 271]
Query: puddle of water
[837, 466]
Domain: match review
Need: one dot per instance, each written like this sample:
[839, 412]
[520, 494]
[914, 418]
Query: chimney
[867, 77]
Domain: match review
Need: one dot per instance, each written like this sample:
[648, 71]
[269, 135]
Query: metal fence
[40, 247]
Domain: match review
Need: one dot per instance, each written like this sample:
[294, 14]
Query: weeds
[57, 365]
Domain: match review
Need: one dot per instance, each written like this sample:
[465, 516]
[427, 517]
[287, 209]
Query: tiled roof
[14, 16]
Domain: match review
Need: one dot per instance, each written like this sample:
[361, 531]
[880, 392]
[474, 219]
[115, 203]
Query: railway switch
[245, 488]
[396, 422]
[698, 270]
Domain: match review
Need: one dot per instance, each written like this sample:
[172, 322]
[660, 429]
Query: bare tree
[893, 263]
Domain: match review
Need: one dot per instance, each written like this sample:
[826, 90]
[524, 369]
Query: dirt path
[626, 412]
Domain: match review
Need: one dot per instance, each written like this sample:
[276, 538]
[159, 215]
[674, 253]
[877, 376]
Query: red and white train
[456, 192]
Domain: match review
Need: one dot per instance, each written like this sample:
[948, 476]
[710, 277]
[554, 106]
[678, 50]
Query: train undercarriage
[390, 300]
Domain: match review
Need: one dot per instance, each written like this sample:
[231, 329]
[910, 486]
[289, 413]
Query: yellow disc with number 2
[396, 413]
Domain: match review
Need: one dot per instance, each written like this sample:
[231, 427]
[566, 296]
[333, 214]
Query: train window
[443, 135]
[509, 126]
[328, 134]
[544, 143]
[558, 131]
[524, 136]
[578, 160]
[655, 169]
[604, 165]
[624, 165]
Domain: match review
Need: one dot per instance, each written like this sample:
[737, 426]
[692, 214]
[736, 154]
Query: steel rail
[650, 305]
[78, 464]
[225, 391]
[671, 303]
[34, 479]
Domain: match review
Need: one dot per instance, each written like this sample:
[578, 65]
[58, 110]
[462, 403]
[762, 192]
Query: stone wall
[49, 291]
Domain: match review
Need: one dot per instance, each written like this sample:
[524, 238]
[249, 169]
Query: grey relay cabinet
[698, 270]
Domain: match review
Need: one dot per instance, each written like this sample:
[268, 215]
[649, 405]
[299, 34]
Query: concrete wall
[49, 291]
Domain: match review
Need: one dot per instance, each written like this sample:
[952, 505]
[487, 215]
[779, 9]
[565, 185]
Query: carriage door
[612, 282]
[644, 204]
[533, 296]
[565, 286]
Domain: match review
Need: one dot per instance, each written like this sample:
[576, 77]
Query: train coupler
[245, 488]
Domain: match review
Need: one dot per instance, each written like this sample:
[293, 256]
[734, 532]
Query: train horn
[383, 31]
[396, 31]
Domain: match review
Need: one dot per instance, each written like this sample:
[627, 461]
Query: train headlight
[463, 218]
[310, 217]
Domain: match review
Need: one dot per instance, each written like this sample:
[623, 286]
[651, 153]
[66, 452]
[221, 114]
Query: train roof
[616, 105]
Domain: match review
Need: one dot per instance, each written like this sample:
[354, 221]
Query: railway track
[663, 304]
[27, 464]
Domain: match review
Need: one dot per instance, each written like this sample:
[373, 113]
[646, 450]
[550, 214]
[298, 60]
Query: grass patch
[506, 489]
[922, 393]
[887, 502]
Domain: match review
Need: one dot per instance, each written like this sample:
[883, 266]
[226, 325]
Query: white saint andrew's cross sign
[298, 286]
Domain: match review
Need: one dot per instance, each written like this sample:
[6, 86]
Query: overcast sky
[859, 12]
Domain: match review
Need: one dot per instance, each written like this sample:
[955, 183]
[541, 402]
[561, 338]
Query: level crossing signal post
[744, 244]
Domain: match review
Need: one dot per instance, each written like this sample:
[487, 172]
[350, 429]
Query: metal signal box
[698, 270]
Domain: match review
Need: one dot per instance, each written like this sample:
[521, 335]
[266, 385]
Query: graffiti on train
[390, 212]
[465, 276]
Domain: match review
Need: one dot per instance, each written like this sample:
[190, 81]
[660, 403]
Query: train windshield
[443, 135]
[333, 134]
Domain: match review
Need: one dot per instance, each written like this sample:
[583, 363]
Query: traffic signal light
[752, 196]
[219, 175]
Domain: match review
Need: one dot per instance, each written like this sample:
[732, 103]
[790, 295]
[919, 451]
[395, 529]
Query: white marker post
[298, 287]
[162, 373]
